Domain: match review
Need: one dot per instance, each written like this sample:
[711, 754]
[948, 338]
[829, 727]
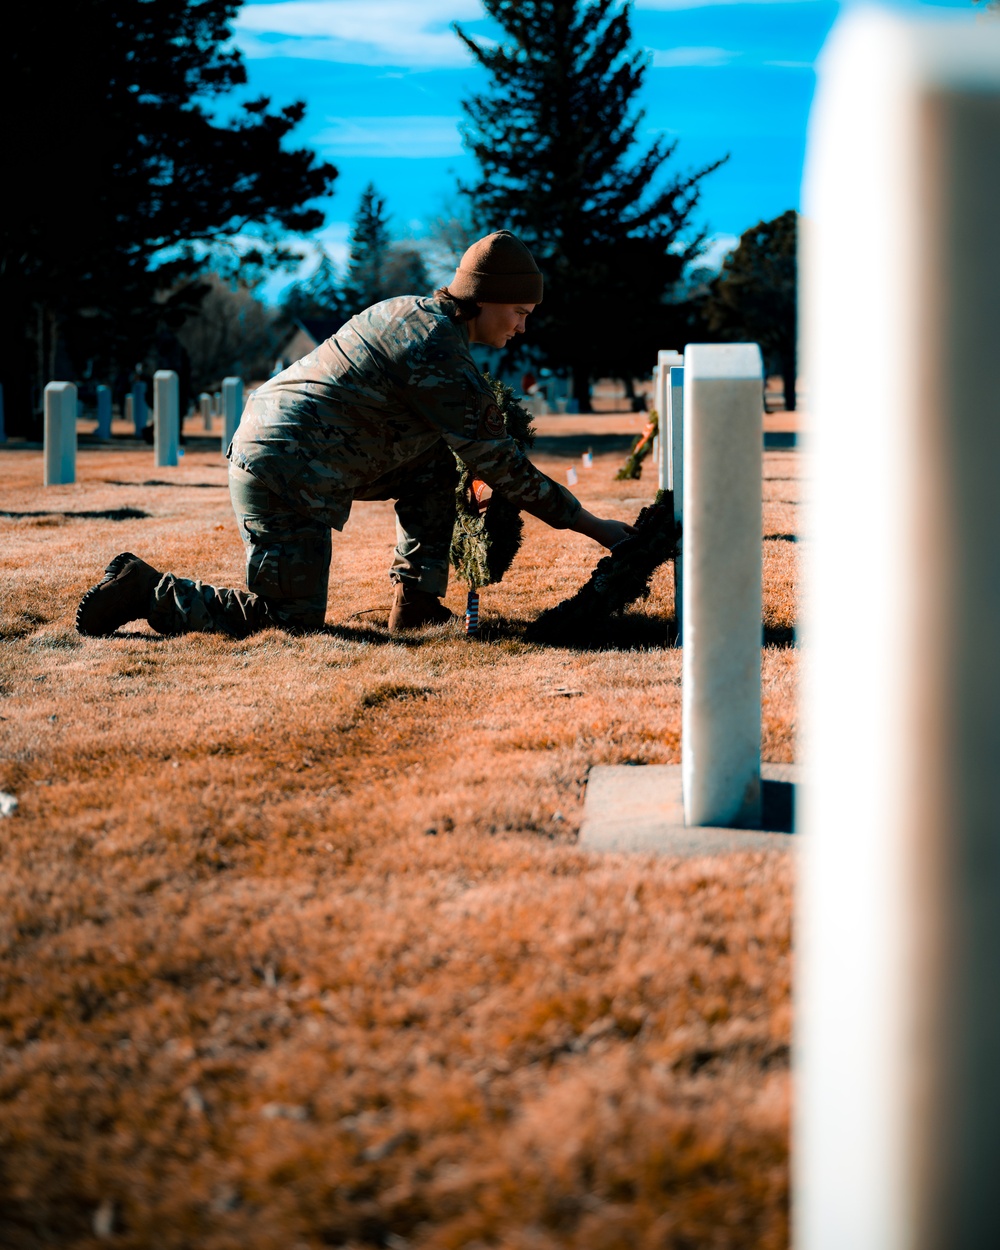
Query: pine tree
[369, 243]
[405, 272]
[319, 295]
[115, 172]
[754, 297]
[555, 141]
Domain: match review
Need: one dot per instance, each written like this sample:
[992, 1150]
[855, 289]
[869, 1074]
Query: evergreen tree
[754, 297]
[369, 253]
[405, 272]
[555, 141]
[118, 160]
[318, 296]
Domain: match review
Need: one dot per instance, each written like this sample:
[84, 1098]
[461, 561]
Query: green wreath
[483, 547]
[620, 578]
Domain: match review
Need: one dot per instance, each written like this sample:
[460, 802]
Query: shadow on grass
[103, 514]
[630, 632]
[153, 481]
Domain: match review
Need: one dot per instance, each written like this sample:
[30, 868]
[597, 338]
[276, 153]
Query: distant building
[308, 334]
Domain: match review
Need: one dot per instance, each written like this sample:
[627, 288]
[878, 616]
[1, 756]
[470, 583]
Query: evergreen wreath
[621, 577]
[643, 445]
[483, 547]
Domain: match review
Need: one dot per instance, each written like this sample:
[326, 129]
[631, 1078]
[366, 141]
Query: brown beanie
[498, 270]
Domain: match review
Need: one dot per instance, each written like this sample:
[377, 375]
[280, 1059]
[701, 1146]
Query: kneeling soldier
[378, 411]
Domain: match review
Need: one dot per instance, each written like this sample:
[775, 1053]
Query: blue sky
[383, 81]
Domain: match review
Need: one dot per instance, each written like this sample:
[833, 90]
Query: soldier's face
[497, 324]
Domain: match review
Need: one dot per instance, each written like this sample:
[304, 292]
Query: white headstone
[675, 481]
[166, 417]
[665, 361]
[60, 433]
[139, 413]
[103, 411]
[897, 1134]
[127, 415]
[205, 406]
[722, 584]
[232, 409]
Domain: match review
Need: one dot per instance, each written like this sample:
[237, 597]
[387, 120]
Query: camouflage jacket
[390, 383]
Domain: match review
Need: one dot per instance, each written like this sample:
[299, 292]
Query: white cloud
[673, 58]
[412, 33]
[411, 135]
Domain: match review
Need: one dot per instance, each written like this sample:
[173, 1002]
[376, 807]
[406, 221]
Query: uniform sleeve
[447, 390]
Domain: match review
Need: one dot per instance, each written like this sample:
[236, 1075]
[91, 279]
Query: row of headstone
[709, 455]
[60, 437]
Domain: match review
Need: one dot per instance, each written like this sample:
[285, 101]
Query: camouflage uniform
[376, 412]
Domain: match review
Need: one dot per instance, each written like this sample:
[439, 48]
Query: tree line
[143, 200]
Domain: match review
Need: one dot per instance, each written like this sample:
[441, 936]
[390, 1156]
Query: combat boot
[413, 608]
[125, 594]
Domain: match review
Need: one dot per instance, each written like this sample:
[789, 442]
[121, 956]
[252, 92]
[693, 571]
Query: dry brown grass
[297, 946]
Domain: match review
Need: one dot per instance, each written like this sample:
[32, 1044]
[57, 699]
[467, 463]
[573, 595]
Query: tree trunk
[16, 366]
[581, 386]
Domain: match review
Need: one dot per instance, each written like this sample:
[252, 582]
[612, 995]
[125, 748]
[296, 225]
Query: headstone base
[641, 808]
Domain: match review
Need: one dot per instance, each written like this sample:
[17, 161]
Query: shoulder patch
[492, 421]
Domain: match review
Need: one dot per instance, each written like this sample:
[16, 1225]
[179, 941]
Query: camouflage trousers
[288, 553]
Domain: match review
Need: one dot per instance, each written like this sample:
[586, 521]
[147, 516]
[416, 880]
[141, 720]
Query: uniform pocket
[264, 572]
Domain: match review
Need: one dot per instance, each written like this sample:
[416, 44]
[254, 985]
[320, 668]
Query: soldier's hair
[464, 309]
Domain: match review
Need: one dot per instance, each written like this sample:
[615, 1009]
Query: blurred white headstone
[60, 433]
[139, 413]
[232, 409]
[897, 1135]
[205, 407]
[103, 412]
[166, 417]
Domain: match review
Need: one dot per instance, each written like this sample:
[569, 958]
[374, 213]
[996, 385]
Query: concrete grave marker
[166, 417]
[232, 409]
[103, 430]
[723, 470]
[720, 799]
[205, 408]
[675, 481]
[897, 1131]
[60, 434]
[139, 414]
[665, 361]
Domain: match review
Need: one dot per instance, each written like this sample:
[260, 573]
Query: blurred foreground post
[675, 481]
[166, 417]
[897, 1141]
[232, 409]
[722, 584]
[103, 412]
[60, 433]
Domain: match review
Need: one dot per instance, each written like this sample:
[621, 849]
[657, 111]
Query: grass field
[297, 947]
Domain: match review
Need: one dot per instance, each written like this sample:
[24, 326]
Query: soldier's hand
[604, 530]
